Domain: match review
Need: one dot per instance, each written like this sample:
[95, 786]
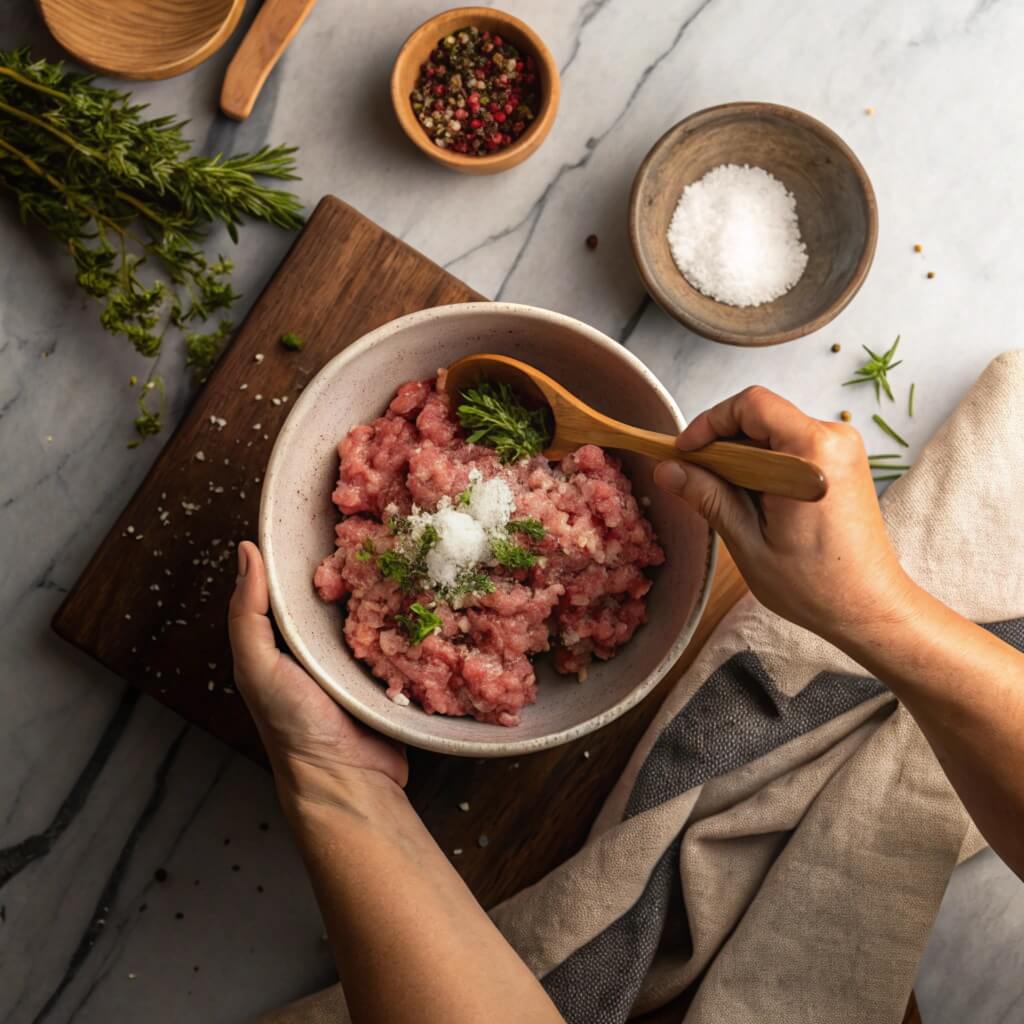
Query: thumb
[727, 509]
[252, 636]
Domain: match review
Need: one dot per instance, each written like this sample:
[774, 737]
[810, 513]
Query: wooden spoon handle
[759, 469]
[268, 37]
[746, 465]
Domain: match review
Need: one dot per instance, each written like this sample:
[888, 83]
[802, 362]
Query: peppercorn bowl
[835, 206]
[297, 521]
[432, 69]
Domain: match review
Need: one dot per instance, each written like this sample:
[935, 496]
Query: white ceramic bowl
[297, 519]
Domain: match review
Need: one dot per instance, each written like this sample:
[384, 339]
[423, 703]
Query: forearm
[965, 688]
[411, 942]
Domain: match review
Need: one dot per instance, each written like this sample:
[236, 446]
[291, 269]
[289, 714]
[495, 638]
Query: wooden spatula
[268, 37]
[576, 424]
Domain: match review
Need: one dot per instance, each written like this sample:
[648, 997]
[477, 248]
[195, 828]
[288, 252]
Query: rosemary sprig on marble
[876, 371]
[120, 191]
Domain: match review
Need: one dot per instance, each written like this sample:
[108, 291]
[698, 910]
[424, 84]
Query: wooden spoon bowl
[141, 38]
[577, 424]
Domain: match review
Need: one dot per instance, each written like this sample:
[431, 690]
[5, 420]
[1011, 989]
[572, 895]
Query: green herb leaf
[511, 555]
[469, 581]
[876, 371]
[888, 430]
[464, 497]
[366, 552]
[419, 624]
[496, 418]
[910, 401]
[122, 195]
[532, 528]
[291, 341]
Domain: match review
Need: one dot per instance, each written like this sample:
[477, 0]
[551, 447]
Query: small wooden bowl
[141, 38]
[417, 48]
[835, 205]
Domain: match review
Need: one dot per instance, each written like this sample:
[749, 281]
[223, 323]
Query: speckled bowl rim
[290, 630]
[638, 225]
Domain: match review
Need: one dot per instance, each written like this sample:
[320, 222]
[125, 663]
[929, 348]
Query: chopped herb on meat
[419, 624]
[496, 418]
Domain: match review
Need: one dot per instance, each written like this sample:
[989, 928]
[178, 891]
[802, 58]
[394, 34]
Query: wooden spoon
[576, 424]
[141, 38]
[268, 37]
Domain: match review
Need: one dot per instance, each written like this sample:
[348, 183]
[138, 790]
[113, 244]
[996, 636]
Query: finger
[756, 413]
[252, 636]
[727, 509]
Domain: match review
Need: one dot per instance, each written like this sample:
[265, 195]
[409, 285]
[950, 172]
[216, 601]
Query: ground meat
[584, 598]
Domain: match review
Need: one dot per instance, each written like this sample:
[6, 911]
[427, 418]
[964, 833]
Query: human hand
[828, 565]
[313, 744]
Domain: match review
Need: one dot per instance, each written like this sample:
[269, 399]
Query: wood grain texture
[576, 424]
[141, 38]
[268, 37]
[413, 55]
[343, 277]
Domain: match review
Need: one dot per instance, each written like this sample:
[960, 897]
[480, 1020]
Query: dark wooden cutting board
[152, 603]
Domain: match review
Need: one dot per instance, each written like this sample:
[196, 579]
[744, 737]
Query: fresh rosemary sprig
[910, 401]
[119, 191]
[496, 418]
[876, 370]
[420, 624]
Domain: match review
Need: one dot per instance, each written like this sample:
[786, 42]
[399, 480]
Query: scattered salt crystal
[275, 401]
[258, 357]
[586, 754]
[401, 700]
[491, 502]
[735, 236]
[457, 852]
[243, 387]
[464, 806]
[200, 456]
[257, 426]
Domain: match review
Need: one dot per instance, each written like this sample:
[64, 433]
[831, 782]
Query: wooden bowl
[141, 38]
[297, 520]
[835, 206]
[414, 53]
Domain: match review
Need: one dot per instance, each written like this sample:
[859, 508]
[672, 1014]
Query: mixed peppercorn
[476, 94]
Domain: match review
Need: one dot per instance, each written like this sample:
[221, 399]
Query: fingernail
[671, 476]
[243, 561]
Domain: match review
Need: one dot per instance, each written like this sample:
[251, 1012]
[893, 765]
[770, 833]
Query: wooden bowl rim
[528, 141]
[157, 71]
[748, 108]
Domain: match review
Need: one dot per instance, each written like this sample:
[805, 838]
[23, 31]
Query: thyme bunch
[119, 191]
[495, 417]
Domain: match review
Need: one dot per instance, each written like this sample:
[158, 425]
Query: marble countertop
[99, 790]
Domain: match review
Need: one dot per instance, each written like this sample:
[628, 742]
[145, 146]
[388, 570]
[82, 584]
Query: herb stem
[910, 401]
[889, 430]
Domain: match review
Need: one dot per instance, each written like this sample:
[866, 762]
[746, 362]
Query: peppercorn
[591, 241]
[918, 248]
[846, 416]
[836, 347]
[489, 89]
[930, 274]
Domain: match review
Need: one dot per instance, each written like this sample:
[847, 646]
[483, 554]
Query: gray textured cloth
[783, 831]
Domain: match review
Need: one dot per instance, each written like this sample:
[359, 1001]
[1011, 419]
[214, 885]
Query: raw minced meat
[584, 597]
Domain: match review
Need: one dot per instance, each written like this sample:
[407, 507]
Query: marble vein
[108, 894]
[14, 859]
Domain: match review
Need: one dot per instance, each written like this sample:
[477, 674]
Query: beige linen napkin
[782, 836]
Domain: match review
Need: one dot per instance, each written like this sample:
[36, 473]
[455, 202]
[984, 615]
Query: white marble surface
[98, 791]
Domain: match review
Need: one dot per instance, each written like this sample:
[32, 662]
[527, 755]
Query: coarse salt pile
[736, 238]
[463, 534]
